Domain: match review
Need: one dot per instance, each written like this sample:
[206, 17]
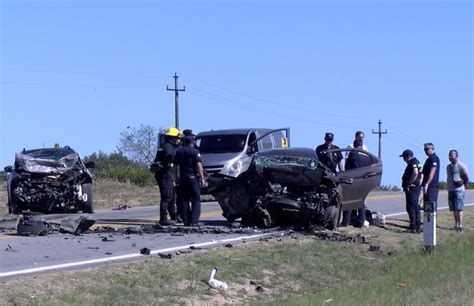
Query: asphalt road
[25, 255]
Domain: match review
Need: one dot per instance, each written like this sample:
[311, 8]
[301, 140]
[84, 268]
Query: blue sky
[80, 72]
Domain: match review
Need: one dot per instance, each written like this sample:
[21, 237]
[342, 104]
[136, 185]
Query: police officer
[191, 176]
[411, 184]
[165, 175]
[177, 198]
[430, 174]
[330, 159]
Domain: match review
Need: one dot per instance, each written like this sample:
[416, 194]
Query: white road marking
[439, 208]
[128, 256]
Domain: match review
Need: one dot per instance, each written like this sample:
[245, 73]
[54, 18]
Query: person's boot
[164, 220]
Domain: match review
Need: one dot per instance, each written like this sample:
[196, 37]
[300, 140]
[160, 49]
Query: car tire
[88, 205]
[333, 213]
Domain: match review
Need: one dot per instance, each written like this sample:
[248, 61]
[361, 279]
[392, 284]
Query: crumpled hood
[39, 165]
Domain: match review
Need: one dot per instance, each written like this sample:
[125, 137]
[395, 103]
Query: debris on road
[75, 226]
[120, 207]
[9, 248]
[29, 225]
[215, 283]
[145, 251]
[166, 256]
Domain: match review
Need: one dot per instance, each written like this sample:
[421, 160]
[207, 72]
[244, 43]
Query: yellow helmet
[173, 132]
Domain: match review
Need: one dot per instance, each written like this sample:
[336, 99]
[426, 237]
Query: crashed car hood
[39, 165]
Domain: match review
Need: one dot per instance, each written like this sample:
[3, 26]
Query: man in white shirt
[457, 178]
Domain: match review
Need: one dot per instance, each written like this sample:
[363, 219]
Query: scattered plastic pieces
[120, 207]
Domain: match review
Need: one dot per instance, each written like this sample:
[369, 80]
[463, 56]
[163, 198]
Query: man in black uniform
[430, 174]
[164, 174]
[411, 184]
[330, 159]
[191, 175]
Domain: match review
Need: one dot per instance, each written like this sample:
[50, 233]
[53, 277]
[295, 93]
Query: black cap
[187, 132]
[407, 153]
[329, 136]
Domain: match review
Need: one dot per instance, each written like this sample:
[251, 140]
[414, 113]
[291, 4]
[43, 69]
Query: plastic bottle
[215, 283]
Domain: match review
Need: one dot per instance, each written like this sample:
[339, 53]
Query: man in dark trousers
[330, 159]
[411, 184]
[191, 176]
[430, 174]
[355, 160]
[165, 175]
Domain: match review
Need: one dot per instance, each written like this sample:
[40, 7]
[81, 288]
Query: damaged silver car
[292, 187]
[49, 180]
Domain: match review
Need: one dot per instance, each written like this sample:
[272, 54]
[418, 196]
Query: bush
[118, 167]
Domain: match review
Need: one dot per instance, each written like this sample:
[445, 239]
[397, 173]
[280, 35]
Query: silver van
[227, 153]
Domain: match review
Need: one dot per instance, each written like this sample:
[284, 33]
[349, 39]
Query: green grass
[302, 271]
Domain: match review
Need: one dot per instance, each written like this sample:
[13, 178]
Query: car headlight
[235, 168]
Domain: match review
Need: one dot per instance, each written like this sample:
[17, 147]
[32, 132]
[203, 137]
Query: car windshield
[278, 161]
[232, 143]
[52, 154]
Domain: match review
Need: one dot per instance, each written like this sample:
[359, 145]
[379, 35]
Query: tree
[139, 144]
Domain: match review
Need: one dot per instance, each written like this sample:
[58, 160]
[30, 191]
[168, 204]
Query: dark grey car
[292, 187]
[49, 179]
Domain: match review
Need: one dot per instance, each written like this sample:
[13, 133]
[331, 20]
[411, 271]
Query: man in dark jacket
[411, 184]
[330, 159]
[191, 177]
[163, 169]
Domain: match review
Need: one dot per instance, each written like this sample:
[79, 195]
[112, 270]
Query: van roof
[231, 131]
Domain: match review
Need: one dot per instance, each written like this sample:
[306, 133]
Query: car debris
[145, 251]
[9, 248]
[215, 283]
[76, 226]
[258, 288]
[49, 179]
[31, 225]
[166, 255]
[120, 207]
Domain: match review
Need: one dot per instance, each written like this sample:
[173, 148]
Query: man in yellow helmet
[164, 174]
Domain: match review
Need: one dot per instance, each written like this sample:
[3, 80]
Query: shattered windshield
[284, 162]
[53, 154]
[47, 160]
[232, 143]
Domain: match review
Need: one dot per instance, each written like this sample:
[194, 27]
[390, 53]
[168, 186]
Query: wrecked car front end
[283, 187]
[49, 180]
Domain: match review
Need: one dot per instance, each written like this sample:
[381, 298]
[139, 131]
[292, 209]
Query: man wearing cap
[330, 159]
[191, 175]
[411, 184]
[430, 174]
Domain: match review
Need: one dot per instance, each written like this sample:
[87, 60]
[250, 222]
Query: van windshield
[231, 143]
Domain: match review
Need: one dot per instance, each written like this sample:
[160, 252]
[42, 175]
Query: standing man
[411, 184]
[330, 159]
[359, 135]
[430, 174]
[164, 174]
[356, 160]
[191, 175]
[457, 178]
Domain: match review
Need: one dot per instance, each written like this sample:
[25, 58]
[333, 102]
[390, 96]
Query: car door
[271, 139]
[363, 178]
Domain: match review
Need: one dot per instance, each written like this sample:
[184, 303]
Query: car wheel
[333, 213]
[88, 205]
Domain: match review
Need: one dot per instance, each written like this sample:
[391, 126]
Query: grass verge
[298, 270]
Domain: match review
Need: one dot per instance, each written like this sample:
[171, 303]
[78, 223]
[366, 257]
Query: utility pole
[176, 96]
[380, 137]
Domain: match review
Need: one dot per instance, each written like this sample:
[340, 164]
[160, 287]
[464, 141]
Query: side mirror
[8, 169]
[90, 164]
